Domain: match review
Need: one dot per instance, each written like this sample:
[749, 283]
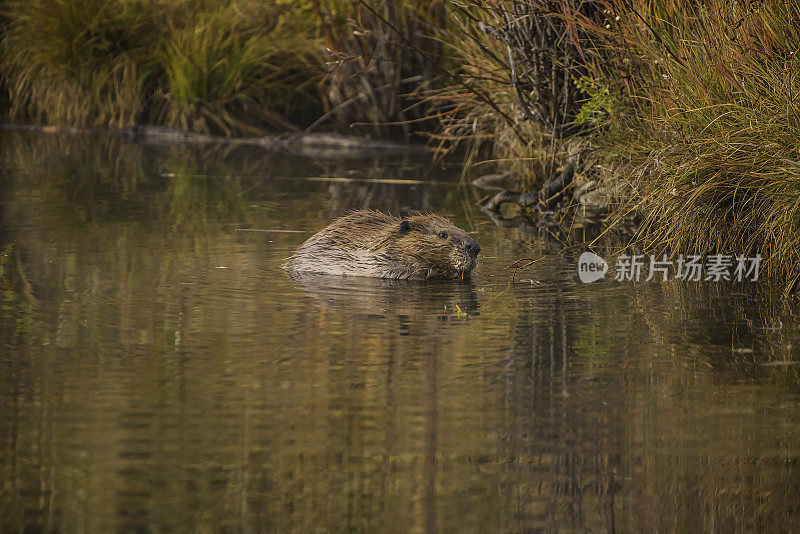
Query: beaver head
[430, 247]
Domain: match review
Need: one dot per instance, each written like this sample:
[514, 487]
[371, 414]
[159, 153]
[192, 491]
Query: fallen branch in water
[271, 230]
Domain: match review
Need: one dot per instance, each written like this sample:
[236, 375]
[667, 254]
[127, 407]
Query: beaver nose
[473, 247]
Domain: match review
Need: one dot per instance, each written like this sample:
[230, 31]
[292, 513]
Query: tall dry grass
[710, 122]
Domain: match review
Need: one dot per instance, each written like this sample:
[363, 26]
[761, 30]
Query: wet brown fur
[371, 243]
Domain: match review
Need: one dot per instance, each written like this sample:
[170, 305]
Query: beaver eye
[443, 234]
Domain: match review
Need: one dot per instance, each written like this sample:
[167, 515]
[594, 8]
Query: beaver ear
[405, 226]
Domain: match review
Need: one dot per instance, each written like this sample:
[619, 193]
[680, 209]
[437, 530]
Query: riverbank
[682, 115]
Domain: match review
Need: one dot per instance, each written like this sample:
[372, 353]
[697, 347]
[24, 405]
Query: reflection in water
[158, 371]
[410, 299]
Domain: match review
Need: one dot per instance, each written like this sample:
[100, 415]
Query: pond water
[159, 372]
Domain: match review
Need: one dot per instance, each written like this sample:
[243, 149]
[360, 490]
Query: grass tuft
[237, 67]
[76, 62]
[229, 67]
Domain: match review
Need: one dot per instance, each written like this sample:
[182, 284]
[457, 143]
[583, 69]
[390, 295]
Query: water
[160, 373]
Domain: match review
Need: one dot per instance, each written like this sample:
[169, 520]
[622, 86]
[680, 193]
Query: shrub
[383, 54]
[515, 91]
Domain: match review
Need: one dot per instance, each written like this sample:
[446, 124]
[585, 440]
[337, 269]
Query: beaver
[371, 243]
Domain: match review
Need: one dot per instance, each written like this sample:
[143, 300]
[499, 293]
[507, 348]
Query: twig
[517, 267]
